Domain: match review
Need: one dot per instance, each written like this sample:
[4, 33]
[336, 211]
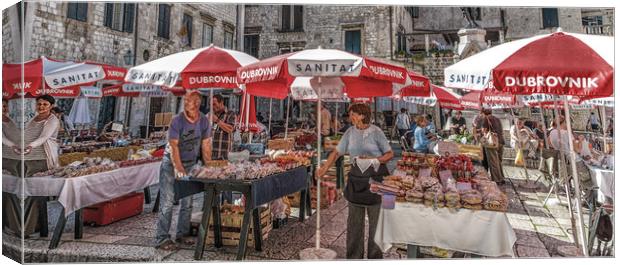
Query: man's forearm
[176, 157]
[206, 151]
[226, 127]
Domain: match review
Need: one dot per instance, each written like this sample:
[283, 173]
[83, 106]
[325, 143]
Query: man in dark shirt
[458, 123]
[223, 128]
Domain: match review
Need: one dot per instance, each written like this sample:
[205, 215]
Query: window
[478, 13]
[353, 41]
[119, 16]
[401, 41]
[207, 34]
[19, 13]
[550, 17]
[188, 25]
[592, 21]
[77, 11]
[250, 43]
[228, 40]
[292, 18]
[163, 21]
[413, 11]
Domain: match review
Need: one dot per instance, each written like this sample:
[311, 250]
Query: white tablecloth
[76, 193]
[485, 233]
[604, 179]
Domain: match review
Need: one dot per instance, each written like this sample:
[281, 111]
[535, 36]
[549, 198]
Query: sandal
[167, 246]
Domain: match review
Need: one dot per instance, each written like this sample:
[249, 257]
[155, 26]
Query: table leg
[79, 224]
[43, 217]
[412, 251]
[258, 239]
[243, 239]
[156, 205]
[302, 205]
[18, 216]
[217, 221]
[147, 195]
[204, 224]
[60, 227]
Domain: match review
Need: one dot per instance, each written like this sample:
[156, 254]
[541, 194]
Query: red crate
[114, 210]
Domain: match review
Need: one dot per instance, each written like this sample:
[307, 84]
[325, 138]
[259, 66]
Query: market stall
[260, 182]
[458, 199]
[83, 184]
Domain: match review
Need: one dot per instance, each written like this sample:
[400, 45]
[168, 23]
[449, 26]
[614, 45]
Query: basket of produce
[281, 144]
[473, 151]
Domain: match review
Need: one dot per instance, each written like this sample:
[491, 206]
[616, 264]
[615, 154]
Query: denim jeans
[166, 193]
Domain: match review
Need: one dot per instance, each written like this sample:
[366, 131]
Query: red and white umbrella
[359, 76]
[420, 86]
[446, 98]
[489, 98]
[559, 63]
[247, 119]
[46, 76]
[210, 67]
[327, 69]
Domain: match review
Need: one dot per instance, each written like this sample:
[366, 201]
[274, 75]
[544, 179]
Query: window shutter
[550, 17]
[167, 22]
[298, 15]
[128, 17]
[82, 11]
[286, 17]
[107, 20]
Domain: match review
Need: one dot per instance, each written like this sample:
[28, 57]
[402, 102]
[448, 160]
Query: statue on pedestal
[470, 14]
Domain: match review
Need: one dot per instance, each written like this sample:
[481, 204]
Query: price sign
[444, 175]
[444, 148]
[117, 127]
[424, 172]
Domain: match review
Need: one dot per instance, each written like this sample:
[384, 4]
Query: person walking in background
[594, 122]
[367, 145]
[189, 135]
[402, 122]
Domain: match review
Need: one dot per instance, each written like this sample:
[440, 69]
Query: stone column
[471, 37]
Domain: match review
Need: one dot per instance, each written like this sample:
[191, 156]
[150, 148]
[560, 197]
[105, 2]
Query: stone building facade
[52, 30]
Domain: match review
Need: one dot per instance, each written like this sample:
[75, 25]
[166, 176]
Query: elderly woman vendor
[370, 151]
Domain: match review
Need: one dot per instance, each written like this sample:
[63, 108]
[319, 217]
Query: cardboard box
[163, 119]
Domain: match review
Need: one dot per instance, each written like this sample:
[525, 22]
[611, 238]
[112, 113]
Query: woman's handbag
[490, 140]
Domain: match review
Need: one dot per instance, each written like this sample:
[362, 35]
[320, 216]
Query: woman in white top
[40, 145]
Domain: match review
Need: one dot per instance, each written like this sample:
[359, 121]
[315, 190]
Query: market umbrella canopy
[252, 125]
[559, 63]
[80, 113]
[200, 68]
[489, 98]
[46, 76]
[446, 98]
[361, 76]
[420, 86]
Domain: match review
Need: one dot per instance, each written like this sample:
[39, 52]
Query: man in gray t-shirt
[188, 136]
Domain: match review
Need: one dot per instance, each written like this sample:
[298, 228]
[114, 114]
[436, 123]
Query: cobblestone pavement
[540, 231]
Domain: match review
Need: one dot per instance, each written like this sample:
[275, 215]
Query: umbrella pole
[270, 113]
[581, 230]
[318, 183]
[247, 117]
[288, 107]
[148, 116]
[542, 114]
[603, 123]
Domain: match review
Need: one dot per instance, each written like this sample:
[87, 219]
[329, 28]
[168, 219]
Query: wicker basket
[281, 144]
